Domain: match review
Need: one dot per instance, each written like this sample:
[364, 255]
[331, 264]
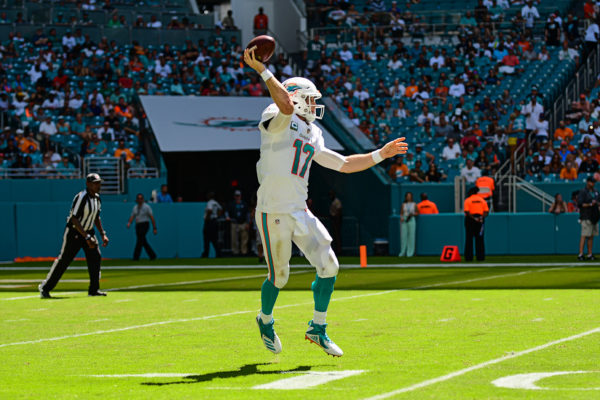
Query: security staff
[79, 233]
[476, 209]
[210, 229]
[143, 215]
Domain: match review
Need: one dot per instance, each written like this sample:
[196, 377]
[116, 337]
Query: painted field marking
[537, 320]
[308, 380]
[528, 381]
[100, 320]
[38, 280]
[464, 371]
[213, 280]
[253, 311]
[148, 375]
[122, 300]
[13, 286]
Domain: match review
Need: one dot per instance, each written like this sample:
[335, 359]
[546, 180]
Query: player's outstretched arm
[360, 162]
[277, 91]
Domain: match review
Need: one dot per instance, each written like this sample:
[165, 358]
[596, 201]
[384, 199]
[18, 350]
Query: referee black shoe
[44, 294]
[96, 293]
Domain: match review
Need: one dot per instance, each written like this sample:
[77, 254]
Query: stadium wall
[505, 233]
[35, 229]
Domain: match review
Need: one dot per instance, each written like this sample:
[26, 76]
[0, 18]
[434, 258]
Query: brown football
[264, 47]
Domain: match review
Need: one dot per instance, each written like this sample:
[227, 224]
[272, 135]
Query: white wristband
[376, 156]
[266, 74]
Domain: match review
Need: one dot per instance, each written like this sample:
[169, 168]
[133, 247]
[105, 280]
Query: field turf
[408, 332]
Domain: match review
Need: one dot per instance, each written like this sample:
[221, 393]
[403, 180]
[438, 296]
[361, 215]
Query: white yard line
[345, 266]
[38, 280]
[127, 328]
[464, 371]
[151, 285]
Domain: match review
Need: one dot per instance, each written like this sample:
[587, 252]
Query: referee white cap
[93, 178]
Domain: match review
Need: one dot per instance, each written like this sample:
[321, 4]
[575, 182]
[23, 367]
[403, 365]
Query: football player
[290, 142]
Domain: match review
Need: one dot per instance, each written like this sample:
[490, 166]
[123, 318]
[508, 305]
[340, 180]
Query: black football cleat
[96, 293]
[44, 294]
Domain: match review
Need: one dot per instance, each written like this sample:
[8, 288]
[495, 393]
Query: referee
[79, 233]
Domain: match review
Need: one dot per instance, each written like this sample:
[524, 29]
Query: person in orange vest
[426, 206]
[476, 209]
[486, 186]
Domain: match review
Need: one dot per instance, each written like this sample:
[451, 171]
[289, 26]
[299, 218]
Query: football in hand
[263, 46]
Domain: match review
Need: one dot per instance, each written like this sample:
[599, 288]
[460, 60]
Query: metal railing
[423, 29]
[142, 172]
[110, 169]
[516, 183]
[40, 173]
[460, 188]
[585, 77]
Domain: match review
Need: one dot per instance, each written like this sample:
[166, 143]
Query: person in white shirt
[162, 68]
[19, 104]
[592, 35]
[76, 102]
[451, 151]
[68, 41]
[470, 172]
[360, 93]
[35, 73]
[372, 54]
[541, 128]
[457, 89]
[437, 59]
[346, 54]
[567, 53]
[95, 95]
[394, 63]
[289, 143]
[424, 116]
[592, 135]
[154, 23]
[105, 132]
[531, 111]
[397, 90]
[529, 12]
[48, 127]
[52, 102]
[286, 70]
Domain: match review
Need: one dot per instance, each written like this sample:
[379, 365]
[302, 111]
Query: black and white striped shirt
[85, 208]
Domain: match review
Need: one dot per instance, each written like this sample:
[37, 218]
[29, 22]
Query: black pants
[474, 230]
[72, 243]
[210, 233]
[141, 229]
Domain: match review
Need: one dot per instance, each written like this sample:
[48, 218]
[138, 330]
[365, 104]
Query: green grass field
[428, 332]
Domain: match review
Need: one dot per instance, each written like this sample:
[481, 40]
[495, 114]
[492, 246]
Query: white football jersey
[284, 165]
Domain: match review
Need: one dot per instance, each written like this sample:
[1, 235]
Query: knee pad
[329, 266]
[281, 276]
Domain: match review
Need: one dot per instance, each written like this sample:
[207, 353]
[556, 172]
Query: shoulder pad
[271, 111]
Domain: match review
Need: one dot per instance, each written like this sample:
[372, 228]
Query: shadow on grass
[244, 370]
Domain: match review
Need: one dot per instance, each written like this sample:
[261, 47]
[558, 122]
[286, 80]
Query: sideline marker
[450, 254]
[363, 256]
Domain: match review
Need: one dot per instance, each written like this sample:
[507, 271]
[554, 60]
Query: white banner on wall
[192, 123]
